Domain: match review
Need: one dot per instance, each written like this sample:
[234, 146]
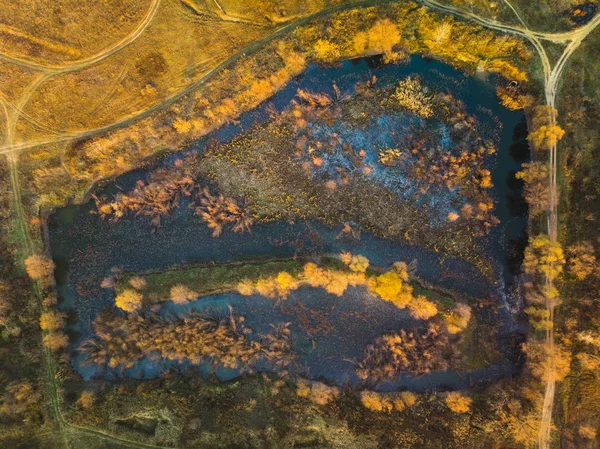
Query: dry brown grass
[13, 80]
[65, 30]
[173, 52]
[270, 10]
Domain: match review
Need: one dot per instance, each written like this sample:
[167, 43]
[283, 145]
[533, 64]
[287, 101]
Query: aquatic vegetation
[361, 157]
[412, 95]
[122, 341]
[163, 192]
[416, 352]
[218, 211]
[156, 198]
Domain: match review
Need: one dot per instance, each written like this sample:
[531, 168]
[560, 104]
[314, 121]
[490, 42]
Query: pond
[86, 248]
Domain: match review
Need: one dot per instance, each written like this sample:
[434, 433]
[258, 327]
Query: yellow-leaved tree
[545, 132]
[544, 257]
[39, 267]
[129, 300]
[458, 403]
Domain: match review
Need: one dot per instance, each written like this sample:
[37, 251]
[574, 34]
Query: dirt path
[86, 62]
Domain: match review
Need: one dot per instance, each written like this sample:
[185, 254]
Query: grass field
[65, 30]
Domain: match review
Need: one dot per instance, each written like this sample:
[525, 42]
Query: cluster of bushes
[392, 286]
[121, 341]
[163, 192]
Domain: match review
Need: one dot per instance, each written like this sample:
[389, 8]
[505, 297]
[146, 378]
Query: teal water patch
[87, 249]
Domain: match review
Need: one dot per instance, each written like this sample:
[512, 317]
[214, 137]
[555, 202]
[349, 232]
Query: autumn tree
[458, 318]
[536, 177]
[359, 264]
[548, 363]
[279, 286]
[129, 300]
[582, 260]
[458, 403]
[376, 402]
[404, 400]
[545, 132]
[391, 287]
[544, 257]
[245, 287]
[524, 427]
[422, 309]
[87, 399]
[326, 51]
[539, 318]
[512, 98]
[56, 341]
[52, 320]
[382, 37]
[18, 397]
[39, 267]
[5, 303]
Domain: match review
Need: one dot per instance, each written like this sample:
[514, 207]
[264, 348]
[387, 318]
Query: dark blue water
[86, 248]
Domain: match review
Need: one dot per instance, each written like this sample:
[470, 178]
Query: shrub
[458, 403]
[180, 294]
[137, 282]
[322, 394]
[458, 319]
[87, 399]
[245, 287]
